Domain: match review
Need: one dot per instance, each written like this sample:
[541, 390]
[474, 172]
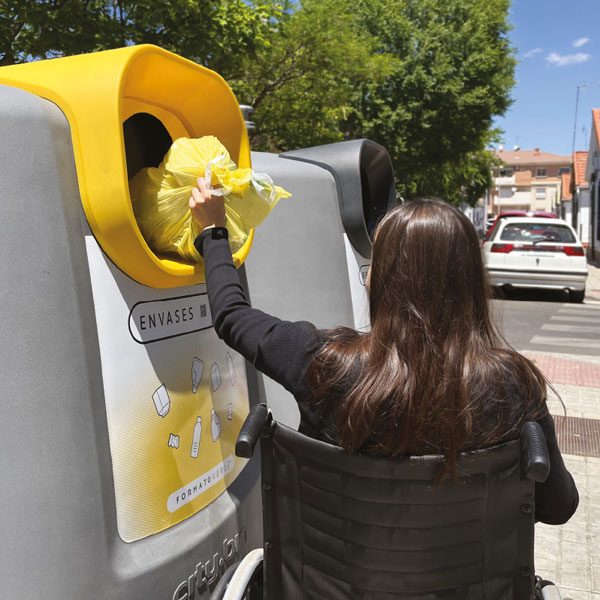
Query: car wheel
[577, 295]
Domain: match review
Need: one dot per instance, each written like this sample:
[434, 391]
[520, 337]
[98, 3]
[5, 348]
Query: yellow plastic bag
[160, 196]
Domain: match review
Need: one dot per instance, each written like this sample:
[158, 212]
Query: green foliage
[454, 73]
[32, 29]
[212, 32]
[306, 84]
[422, 77]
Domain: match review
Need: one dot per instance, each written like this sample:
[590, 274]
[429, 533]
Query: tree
[453, 74]
[422, 77]
[216, 33]
[306, 83]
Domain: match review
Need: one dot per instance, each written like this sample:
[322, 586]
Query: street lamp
[582, 85]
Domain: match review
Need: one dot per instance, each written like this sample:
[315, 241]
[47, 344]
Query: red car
[517, 213]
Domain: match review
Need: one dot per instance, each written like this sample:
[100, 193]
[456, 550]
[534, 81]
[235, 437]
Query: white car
[531, 252]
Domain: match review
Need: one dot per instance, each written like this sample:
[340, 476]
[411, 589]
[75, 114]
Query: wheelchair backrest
[348, 527]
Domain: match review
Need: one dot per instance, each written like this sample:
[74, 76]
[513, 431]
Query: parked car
[542, 213]
[534, 252]
[516, 213]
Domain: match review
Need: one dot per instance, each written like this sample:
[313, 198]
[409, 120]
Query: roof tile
[596, 121]
[533, 157]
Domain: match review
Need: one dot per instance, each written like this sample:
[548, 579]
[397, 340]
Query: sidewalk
[569, 554]
[593, 282]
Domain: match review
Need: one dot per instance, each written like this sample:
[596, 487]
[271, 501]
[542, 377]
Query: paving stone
[577, 578]
[575, 594]
[560, 370]
[569, 554]
[596, 577]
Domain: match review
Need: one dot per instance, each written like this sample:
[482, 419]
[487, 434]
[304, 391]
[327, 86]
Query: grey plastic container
[309, 259]
[59, 521]
[58, 524]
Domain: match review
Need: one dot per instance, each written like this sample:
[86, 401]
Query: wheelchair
[341, 526]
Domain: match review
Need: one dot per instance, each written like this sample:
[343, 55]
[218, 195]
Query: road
[545, 321]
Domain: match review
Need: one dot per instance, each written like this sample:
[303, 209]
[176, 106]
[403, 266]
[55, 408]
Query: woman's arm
[280, 349]
[556, 499]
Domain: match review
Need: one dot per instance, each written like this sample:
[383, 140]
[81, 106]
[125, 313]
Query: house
[580, 192]
[566, 197]
[528, 180]
[592, 175]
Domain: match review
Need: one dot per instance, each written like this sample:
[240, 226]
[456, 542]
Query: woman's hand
[207, 210]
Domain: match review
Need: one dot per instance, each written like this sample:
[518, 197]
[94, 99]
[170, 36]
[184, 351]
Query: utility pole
[582, 85]
[575, 123]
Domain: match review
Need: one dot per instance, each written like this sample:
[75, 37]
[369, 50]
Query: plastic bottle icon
[215, 377]
[197, 371]
[229, 411]
[231, 369]
[196, 438]
[161, 400]
[215, 425]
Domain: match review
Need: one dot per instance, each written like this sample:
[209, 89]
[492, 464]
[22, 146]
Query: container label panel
[176, 397]
[153, 320]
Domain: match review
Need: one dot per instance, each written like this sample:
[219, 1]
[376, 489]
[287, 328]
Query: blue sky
[558, 48]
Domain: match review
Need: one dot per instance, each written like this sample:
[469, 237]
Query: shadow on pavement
[530, 295]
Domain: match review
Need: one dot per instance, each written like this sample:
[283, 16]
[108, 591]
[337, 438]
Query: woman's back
[431, 376]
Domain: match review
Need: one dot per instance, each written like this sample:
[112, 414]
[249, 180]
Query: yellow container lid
[98, 93]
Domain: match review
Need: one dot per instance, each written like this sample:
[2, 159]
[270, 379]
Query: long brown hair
[432, 375]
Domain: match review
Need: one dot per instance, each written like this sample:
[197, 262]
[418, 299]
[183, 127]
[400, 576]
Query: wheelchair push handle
[535, 451]
[252, 429]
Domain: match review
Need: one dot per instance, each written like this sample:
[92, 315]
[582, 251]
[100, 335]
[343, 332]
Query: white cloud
[563, 60]
[580, 42]
[532, 53]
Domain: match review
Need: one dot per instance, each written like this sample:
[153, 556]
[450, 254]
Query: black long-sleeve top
[282, 350]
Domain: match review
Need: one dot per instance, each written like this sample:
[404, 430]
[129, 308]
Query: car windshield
[537, 232]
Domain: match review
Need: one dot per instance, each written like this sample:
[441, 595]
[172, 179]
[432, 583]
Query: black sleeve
[280, 349]
[556, 499]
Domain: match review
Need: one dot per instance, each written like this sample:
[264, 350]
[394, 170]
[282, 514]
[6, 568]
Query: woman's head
[432, 374]
[427, 266]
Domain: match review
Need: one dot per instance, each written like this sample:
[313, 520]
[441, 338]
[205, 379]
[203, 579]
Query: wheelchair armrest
[252, 429]
[236, 590]
[535, 452]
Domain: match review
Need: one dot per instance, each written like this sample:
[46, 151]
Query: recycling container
[310, 258]
[120, 405]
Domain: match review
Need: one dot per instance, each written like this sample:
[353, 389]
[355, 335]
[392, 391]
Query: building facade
[566, 197]
[592, 175]
[528, 180]
[580, 192]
